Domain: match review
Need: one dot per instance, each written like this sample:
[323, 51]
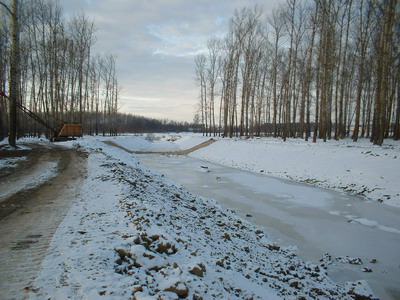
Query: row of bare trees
[322, 69]
[60, 79]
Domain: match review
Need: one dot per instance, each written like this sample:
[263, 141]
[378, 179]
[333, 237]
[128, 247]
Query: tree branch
[9, 10]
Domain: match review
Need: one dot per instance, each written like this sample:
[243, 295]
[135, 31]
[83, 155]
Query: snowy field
[134, 234]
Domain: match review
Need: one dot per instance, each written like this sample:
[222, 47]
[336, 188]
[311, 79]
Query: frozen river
[316, 220]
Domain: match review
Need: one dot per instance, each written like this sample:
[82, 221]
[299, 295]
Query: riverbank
[354, 168]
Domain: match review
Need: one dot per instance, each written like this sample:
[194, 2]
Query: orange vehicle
[68, 131]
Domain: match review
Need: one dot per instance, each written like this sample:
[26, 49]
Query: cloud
[155, 42]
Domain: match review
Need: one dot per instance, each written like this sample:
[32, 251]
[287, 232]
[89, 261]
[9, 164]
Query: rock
[273, 247]
[220, 263]
[198, 270]
[179, 288]
[367, 270]
[136, 264]
[155, 237]
[122, 253]
[137, 288]
[226, 236]
[148, 255]
[349, 260]
[295, 284]
[167, 248]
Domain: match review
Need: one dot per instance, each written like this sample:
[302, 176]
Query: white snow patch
[372, 223]
[360, 288]
[335, 212]
[40, 175]
[11, 162]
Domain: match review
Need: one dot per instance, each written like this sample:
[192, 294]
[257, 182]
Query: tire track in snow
[29, 220]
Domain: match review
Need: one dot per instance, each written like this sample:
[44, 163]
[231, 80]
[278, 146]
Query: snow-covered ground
[355, 168]
[134, 234]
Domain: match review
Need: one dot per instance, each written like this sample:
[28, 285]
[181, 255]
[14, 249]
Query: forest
[322, 69]
[317, 69]
[59, 79]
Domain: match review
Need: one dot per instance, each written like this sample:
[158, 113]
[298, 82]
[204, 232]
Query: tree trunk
[14, 75]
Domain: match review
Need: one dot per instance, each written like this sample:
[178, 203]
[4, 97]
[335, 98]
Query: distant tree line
[124, 123]
[60, 79]
[128, 123]
[323, 69]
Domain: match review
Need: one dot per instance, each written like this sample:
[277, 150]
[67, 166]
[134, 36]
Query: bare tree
[385, 11]
[363, 39]
[58, 80]
[212, 74]
[276, 21]
[201, 81]
[14, 70]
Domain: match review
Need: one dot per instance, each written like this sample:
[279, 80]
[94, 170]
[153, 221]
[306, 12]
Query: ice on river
[316, 220]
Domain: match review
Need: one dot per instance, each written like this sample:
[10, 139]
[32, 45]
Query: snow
[354, 168]
[188, 141]
[359, 288]
[134, 233]
[39, 175]
[11, 162]
[372, 223]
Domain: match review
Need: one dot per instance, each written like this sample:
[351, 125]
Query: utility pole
[14, 71]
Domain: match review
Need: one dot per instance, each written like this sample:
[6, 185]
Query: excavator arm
[32, 115]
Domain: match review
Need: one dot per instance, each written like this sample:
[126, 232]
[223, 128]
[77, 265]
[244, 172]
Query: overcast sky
[155, 42]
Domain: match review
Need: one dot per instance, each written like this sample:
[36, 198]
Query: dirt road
[30, 215]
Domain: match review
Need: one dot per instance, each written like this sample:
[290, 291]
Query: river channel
[315, 220]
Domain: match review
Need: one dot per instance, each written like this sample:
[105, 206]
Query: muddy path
[181, 152]
[30, 214]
